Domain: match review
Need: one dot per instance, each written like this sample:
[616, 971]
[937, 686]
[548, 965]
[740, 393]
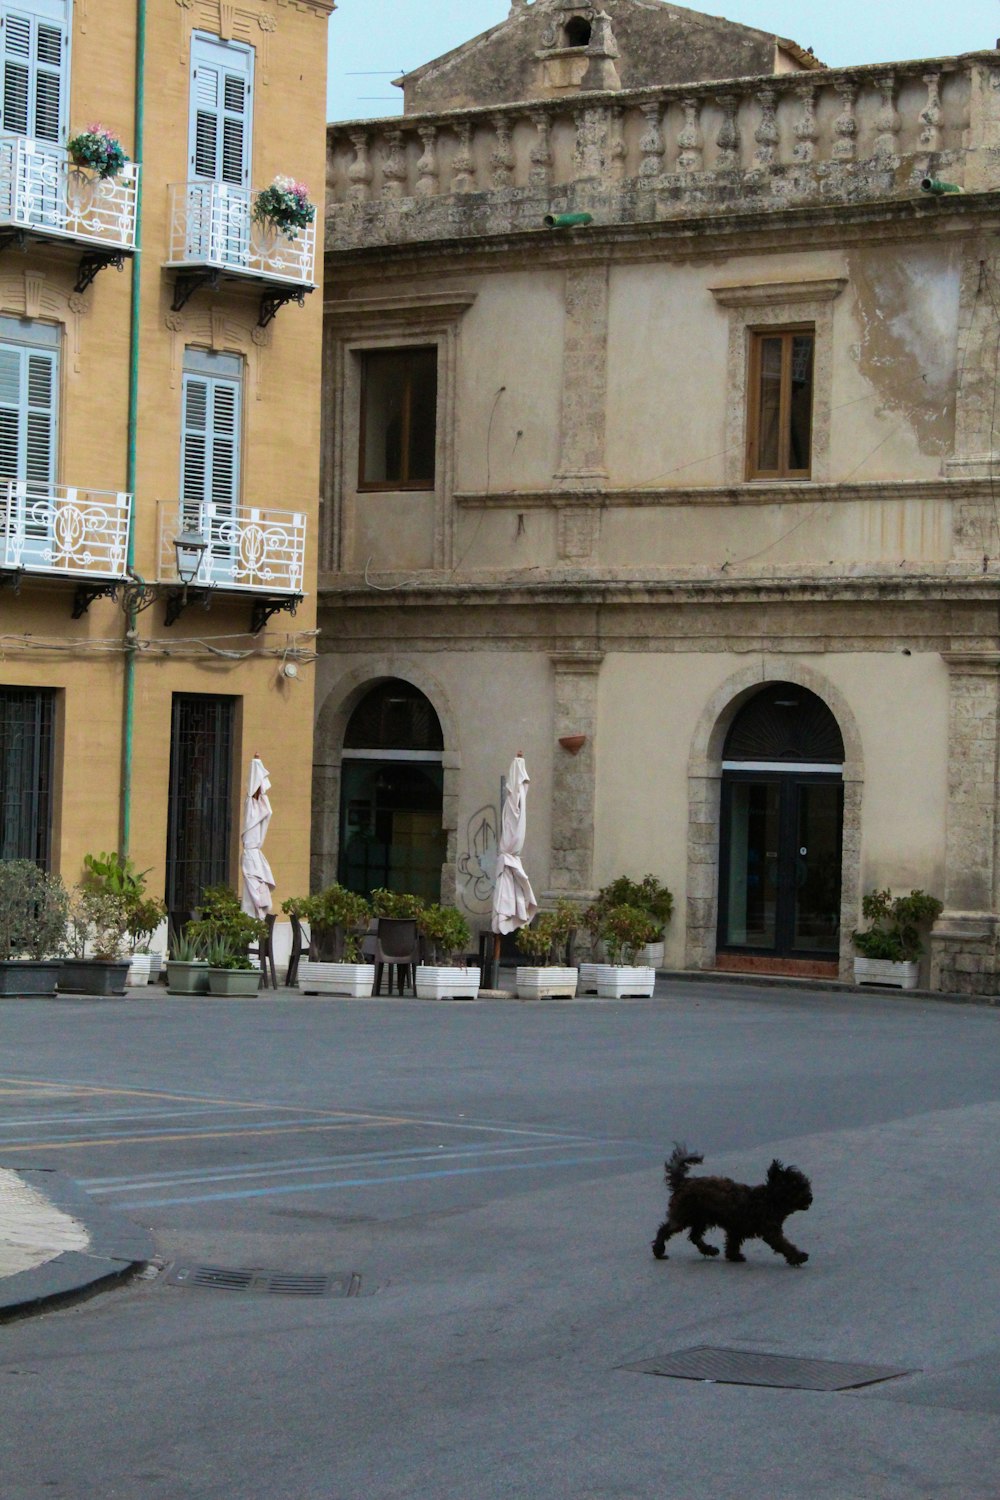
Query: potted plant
[889, 949]
[625, 931]
[445, 938]
[338, 919]
[648, 895]
[146, 915]
[230, 972]
[187, 969]
[283, 207]
[224, 922]
[99, 150]
[546, 941]
[34, 909]
[98, 924]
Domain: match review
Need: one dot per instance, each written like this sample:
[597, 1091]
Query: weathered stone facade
[592, 576]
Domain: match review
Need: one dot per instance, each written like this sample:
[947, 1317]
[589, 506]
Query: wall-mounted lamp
[190, 547]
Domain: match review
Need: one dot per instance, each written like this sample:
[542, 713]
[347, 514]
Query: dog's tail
[677, 1166]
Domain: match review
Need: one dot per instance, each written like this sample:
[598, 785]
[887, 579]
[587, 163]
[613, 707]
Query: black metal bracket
[9, 237]
[86, 593]
[178, 600]
[263, 609]
[93, 263]
[272, 303]
[189, 282]
[10, 578]
[138, 595]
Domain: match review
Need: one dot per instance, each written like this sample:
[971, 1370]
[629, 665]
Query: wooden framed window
[398, 419]
[780, 403]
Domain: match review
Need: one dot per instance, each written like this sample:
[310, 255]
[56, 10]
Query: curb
[117, 1249]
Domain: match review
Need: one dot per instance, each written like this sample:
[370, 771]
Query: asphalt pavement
[475, 1185]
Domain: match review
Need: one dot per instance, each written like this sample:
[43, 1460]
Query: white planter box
[138, 970]
[537, 983]
[651, 956]
[614, 981]
[588, 979]
[884, 971]
[446, 982]
[353, 980]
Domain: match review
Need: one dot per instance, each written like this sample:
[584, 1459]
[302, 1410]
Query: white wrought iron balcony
[251, 550]
[44, 193]
[214, 237]
[65, 532]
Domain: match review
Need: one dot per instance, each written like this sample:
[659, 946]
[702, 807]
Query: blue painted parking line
[363, 1182]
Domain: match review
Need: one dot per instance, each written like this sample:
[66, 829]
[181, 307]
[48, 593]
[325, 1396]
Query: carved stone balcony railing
[64, 532]
[214, 237]
[738, 145]
[252, 550]
[43, 194]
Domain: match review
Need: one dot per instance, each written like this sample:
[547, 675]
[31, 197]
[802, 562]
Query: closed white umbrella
[258, 882]
[514, 902]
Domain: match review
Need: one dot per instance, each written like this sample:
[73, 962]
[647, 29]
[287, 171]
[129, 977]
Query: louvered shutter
[221, 111]
[28, 388]
[35, 83]
[210, 460]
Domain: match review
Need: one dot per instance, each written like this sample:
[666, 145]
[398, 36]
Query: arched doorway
[781, 829]
[391, 794]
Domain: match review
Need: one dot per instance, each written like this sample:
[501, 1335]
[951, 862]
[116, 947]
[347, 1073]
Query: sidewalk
[57, 1243]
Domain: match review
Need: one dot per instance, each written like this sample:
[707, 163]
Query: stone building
[660, 420]
[138, 410]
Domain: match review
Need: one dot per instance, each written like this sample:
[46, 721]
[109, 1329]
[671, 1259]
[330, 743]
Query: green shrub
[337, 919]
[648, 895]
[395, 904]
[34, 911]
[99, 920]
[624, 930]
[896, 922]
[445, 933]
[223, 919]
[546, 939]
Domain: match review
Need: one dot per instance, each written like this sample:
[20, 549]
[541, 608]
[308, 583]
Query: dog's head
[788, 1187]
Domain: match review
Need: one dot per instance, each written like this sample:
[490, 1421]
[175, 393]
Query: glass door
[779, 891]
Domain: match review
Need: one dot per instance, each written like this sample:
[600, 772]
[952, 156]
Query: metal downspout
[131, 616]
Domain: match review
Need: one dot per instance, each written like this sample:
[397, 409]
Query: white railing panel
[212, 224]
[252, 547]
[41, 188]
[68, 531]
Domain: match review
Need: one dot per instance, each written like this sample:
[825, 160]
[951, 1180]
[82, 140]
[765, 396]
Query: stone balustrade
[849, 135]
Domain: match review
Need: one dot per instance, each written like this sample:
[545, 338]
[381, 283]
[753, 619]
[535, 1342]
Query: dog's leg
[666, 1229]
[784, 1247]
[733, 1243]
[697, 1238]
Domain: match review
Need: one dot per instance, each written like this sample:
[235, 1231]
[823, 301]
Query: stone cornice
[752, 494]
[779, 293]
[703, 237]
[386, 311]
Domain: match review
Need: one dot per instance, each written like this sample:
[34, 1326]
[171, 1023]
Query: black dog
[745, 1213]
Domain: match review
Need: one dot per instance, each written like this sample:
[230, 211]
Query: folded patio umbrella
[258, 882]
[514, 902]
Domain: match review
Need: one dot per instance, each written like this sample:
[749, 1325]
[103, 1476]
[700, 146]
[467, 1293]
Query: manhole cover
[744, 1367]
[252, 1279]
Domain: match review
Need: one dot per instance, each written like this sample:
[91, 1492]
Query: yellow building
[155, 389]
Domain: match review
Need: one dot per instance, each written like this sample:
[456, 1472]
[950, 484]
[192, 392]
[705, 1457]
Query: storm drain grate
[252, 1279]
[745, 1367]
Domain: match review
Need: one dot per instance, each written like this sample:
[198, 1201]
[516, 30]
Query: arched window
[394, 716]
[785, 723]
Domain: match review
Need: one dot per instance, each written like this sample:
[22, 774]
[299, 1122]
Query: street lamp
[190, 548]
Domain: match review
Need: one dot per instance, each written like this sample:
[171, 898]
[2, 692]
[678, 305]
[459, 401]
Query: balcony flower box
[99, 150]
[353, 981]
[284, 206]
[447, 982]
[546, 982]
[616, 981]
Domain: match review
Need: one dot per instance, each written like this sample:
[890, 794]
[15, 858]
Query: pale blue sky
[373, 41]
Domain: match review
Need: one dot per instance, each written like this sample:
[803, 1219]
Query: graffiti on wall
[477, 865]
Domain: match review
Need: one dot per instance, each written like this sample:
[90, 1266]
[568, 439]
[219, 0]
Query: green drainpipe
[128, 734]
[566, 221]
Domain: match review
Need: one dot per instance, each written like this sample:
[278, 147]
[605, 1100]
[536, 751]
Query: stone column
[585, 379]
[964, 950]
[574, 774]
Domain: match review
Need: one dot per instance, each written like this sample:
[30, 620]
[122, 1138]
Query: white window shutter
[35, 74]
[210, 460]
[28, 398]
[221, 110]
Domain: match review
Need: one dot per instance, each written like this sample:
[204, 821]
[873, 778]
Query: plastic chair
[398, 946]
[300, 945]
[264, 951]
